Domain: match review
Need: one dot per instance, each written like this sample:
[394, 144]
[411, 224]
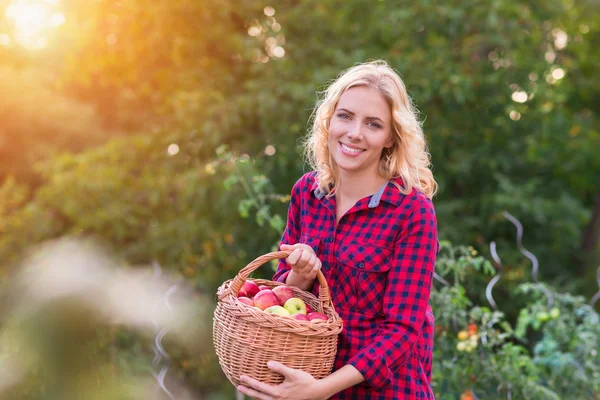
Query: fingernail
[270, 364]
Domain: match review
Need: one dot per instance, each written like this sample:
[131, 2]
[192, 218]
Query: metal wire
[440, 279]
[495, 279]
[530, 256]
[159, 352]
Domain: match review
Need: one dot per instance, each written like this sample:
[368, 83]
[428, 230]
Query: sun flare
[34, 21]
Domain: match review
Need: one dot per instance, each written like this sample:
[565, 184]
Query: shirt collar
[376, 198]
[318, 193]
[392, 195]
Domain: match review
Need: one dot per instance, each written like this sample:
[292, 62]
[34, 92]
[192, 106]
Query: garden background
[154, 143]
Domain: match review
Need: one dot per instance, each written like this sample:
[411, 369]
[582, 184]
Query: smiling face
[359, 130]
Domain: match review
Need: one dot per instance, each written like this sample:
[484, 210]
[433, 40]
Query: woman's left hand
[297, 385]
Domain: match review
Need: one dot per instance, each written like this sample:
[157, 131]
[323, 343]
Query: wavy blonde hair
[408, 158]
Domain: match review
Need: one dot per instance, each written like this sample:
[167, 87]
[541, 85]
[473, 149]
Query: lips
[351, 150]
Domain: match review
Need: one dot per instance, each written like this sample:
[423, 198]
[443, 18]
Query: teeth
[348, 149]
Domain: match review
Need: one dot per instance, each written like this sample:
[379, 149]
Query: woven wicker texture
[246, 338]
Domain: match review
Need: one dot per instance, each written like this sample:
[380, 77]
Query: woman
[364, 217]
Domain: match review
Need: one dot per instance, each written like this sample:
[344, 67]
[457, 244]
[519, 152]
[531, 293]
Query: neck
[356, 187]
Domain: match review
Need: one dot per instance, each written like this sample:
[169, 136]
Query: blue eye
[375, 125]
[343, 115]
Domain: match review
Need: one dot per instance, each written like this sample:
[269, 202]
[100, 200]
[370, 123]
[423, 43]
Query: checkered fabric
[379, 263]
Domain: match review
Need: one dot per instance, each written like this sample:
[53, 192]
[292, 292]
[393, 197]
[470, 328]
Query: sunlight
[33, 21]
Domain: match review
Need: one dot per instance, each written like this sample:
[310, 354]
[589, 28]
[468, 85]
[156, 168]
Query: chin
[348, 167]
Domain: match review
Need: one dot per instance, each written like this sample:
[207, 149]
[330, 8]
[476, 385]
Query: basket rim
[244, 273]
[229, 301]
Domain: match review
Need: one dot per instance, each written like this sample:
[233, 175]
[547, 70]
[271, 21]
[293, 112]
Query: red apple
[317, 316]
[265, 299]
[309, 309]
[277, 310]
[283, 293]
[295, 305]
[246, 300]
[249, 289]
[263, 287]
[300, 317]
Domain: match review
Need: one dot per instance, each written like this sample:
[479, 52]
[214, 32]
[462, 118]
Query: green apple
[277, 310]
[295, 305]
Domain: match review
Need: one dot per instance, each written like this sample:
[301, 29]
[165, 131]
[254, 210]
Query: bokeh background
[148, 148]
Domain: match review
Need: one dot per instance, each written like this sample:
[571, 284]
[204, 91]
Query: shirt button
[361, 264]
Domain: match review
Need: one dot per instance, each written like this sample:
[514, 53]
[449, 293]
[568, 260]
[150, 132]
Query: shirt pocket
[312, 241]
[363, 272]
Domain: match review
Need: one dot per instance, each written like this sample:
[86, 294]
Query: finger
[305, 247]
[304, 258]
[312, 261]
[258, 386]
[317, 267]
[253, 393]
[292, 259]
[291, 246]
[300, 246]
[281, 369]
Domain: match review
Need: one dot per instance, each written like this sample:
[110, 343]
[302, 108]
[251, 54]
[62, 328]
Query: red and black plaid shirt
[379, 264]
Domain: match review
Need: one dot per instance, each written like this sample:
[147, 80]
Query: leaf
[230, 181]
[277, 223]
[244, 207]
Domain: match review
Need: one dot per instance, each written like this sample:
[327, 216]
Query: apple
[277, 310]
[300, 317]
[265, 299]
[246, 300]
[543, 316]
[263, 287]
[295, 305]
[309, 309]
[317, 316]
[283, 293]
[249, 289]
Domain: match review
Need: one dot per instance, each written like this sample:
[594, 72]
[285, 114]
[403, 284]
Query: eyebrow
[350, 112]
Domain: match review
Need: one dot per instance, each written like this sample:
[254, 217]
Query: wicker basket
[246, 338]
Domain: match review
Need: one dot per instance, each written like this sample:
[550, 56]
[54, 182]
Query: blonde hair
[408, 158]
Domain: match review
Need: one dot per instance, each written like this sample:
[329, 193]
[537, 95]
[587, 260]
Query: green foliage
[550, 354]
[201, 94]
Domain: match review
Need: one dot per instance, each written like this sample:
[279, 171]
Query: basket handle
[240, 278]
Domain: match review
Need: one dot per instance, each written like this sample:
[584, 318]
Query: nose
[354, 132]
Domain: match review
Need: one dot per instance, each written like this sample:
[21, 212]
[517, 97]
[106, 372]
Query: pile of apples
[279, 301]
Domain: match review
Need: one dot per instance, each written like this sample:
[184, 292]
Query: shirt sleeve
[291, 234]
[406, 297]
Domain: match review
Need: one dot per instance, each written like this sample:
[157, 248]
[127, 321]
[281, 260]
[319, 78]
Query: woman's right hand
[303, 260]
